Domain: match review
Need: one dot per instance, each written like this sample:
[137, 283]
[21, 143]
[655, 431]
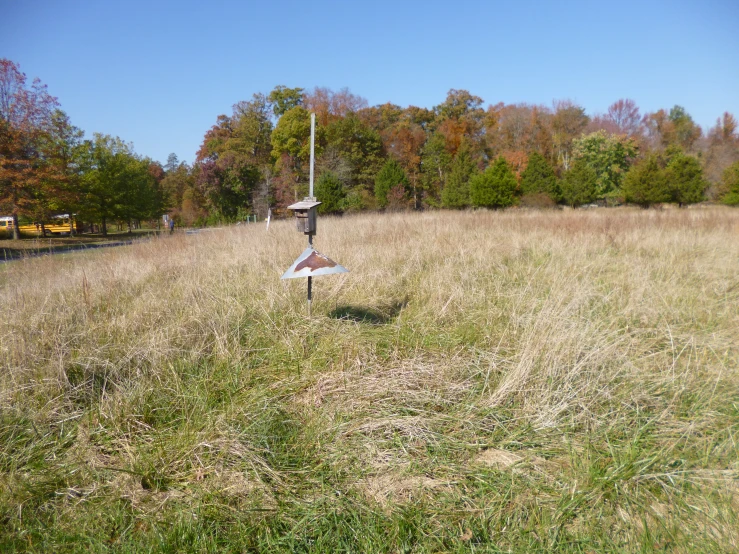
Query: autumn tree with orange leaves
[25, 119]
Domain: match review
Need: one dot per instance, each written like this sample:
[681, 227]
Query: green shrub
[731, 184]
[389, 176]
[647, 183]
[539, 178]
[330, 192]
[495, 187]
[579, 185]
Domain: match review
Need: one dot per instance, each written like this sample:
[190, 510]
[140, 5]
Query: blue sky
[158, 73]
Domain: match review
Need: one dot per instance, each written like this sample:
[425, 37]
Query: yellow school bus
[58, 225]
[6, 226]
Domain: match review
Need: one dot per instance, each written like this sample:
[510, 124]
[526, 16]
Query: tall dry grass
[531, 380]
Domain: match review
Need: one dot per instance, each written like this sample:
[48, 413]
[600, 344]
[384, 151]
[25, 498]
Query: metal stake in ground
[310, 295]
[310, 263]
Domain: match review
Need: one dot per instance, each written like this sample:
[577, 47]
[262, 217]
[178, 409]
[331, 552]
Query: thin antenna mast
[312, 149]
[312, 162]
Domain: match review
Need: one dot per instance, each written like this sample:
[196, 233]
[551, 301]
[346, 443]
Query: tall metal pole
[312, 163]
[312, 149]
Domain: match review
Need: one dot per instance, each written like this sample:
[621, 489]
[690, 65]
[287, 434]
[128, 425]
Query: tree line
[455, 155]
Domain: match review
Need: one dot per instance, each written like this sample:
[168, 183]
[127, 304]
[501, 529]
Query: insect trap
[311, 263]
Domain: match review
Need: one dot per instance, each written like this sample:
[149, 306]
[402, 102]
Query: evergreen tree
[646, 183]
[456, 193]
[172, 163]
[330, 192]
[731, 184]
[495, 187]
[388, 177]
[538, 177]
[580, 184]
[686, 181]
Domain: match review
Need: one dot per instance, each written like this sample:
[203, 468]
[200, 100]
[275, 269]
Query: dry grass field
[559, 381]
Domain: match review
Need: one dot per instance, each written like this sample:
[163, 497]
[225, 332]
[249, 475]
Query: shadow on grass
[375, 316]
